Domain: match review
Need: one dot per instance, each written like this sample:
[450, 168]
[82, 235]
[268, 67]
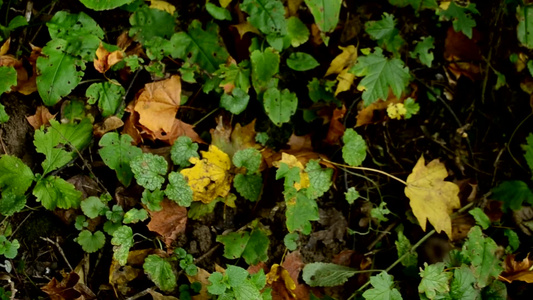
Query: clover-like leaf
[91, 242]
[117, 153]
[148, 170]
[179, 190]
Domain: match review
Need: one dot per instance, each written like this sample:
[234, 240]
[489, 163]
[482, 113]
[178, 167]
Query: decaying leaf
[41, 117]
[105, 59]
[336, 127]
[517, 270]
[244, 28]
[293, 162]
[431, 197]
[202, 277]
[463, 54]
[210, 177]
[25, 84]
[169, 222]
[110, 123]
[232, 140]
[69, 288]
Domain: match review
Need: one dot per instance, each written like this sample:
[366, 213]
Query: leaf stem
[205, 117]
[366, 169]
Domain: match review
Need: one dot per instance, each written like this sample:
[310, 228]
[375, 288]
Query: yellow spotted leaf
[345, 60]
[210, 177]
[431, 197]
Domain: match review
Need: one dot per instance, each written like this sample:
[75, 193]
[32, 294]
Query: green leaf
[246, 290]
[280, 106]
[326, 274]
[81, 222]
[236, 275]
[461, 17]
[60, 140]
[319, 179]
[217, 284]
[252, 246]
[385, 33]
[351, 195]
[11, 203]
[53, 192]
[411, 107]
[59, 72]
[135, 215]
[297, 32]
[325, 12]
[266, 15]
[116, 214]
[462, 286]
[354, 149]
[9, 78]
[160, 272]
[435, 282]
[422, 51]
[235, 103]
[122, 241]
[514, 240]
[91, 242]
[416, 4]
[249, 158]
[524, 30]
[321, 90]
[486, 264]
[7, 248]
[16, 22]
[403, 246]
[108, 95]
[249, 186]
[382, 288]
[218, 12]
[238, 75]
[182, 150]
[148, 23]
[495, 291]
[178, 190]
[4, 117]
[380, 74]
[15, 176]
[528, 148]
[512, 193]
[264, 66]
[203, 47]
[104, 4]
[148, 170]
[117, 153]
[291, 240]
[481, 218]
[300, 211]
[152, 200]
[380, 212]
[93, 207]
[301, 61]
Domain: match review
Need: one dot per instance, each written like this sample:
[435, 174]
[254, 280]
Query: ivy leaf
[93, 207]
[354, 149]
[280, 106]
[300, 211]
[217, 12]
[148, 170]
[117, 153]
[481, 251]
[59, 72]
[11, 203]
[380, 74]
[385, 33]
[199, 46]
[301, 61]
[152, 200]
[179, 190]
[326, 14]
[91, 242]
[434, 280]
[326, 274]
[9, 78]
[182, 150]
[104, 4]
[403, 245]
[422, 50]
[249, 158]
[122, 241]
[264, 66]
[266, 15]
[108, 95]
[160, 272]
[53, 192]
[319, 179]
[249, 186]
[15, 176]
[382, 288]
[461, 16]
[148, 23]
[297, 32]
[252, 246]
[135, 215]
[512, 193]
[524, 30]
[235, 103]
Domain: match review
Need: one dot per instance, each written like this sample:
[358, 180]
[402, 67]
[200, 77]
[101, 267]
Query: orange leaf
[517, 270]
[169, 222]
[110, 123]
[336, 128]
[41, 117]
[105, 60]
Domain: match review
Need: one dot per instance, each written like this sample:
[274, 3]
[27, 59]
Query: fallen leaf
[109, 124]
[69, 288]
[232, 140]
[431, 197]
[376, 112]
[120, 276]
[244, 28]
[293, 6]
[336, 127]
[169, 222]
[300, 143]
[179, 128]
[345, 80]
[130, 128]
[282, 284]
[202, 277]
[41, 117]
[293, 162]
[5, 47]
[25, 84]
[105, 59]
[343, 61]
[294, 265]
[158, 104]
[517, 270]
[463, 54]
[210, 177]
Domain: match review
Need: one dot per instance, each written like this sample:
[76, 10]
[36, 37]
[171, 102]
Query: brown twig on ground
[60, 251]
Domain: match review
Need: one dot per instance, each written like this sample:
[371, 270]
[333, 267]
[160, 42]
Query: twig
[140, 294]
[2, 141]
[366, 169]
[60, 251]
[382, 235]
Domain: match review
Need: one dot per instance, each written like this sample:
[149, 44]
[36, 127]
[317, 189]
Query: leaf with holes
[280, 105]
[266, 15]
[108, 95]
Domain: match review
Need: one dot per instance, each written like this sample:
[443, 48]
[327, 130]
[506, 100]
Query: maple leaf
[431, 197]
[158, 104]
[209, 178]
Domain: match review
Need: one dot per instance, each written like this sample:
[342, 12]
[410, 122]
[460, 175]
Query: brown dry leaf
[105, 59]
[201, 277]
[282, 284]
[169, 222]
[336, 127]
[179, 128]
[110, 123]
[300, 143]
[121, 276]
[294, 265]
[41, 117]
[517, 270]
[343, 61]
[431, 197]
[158, 296]
[69, 288]
[315, 34]
[124, 40]
[25, 84]
[463, 53]
[244, 28]
[345, 80]
[158, 104]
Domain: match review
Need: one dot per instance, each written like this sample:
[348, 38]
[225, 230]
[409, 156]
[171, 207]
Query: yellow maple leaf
[293, 162]
[431, 197]
[343, 61]
[210, 177]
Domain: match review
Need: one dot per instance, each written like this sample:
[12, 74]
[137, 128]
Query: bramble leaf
[53, 192]
[380, 74]
[301, 61]
[91, 242]
[280, 105]
[266, 15]
[461, 16]
[117, 153]
[122, 241]
[434, 280]
[182, 150]
[160, 272]
[382, 288]
[178, 190]
[326, 274]
[148, 170]
[354, 149]
[104, 4]
[15, 176]
[108, 95]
